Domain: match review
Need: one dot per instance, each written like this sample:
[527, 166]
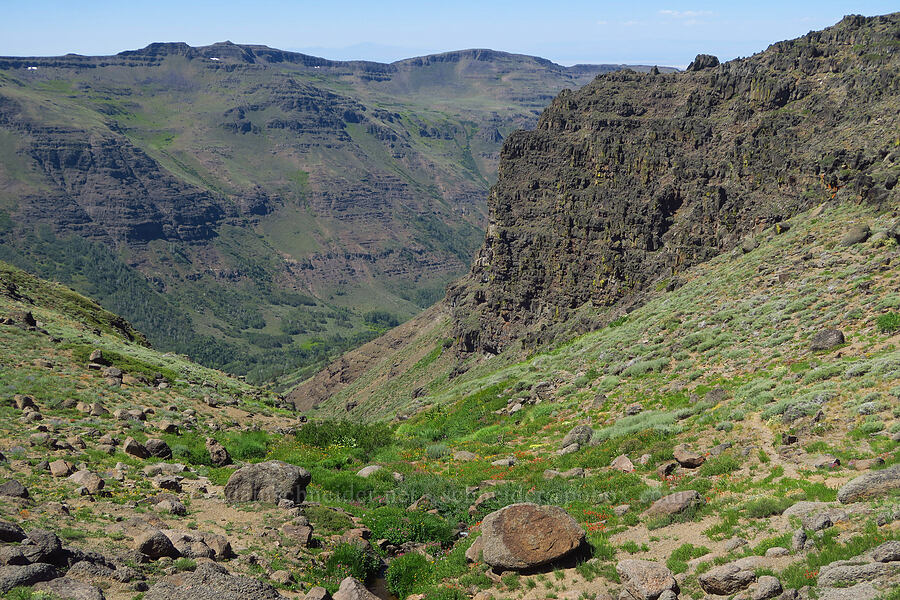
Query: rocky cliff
[633, 178]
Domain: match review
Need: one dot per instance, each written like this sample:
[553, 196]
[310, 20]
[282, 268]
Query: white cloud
[686, 14]
[602, 22]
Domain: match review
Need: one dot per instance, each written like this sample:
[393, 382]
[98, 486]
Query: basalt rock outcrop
[634, 178]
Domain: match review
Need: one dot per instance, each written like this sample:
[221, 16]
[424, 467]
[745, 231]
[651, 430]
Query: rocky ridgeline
[635, 177]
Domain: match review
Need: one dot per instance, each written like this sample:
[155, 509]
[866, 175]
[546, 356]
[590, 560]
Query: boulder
[726, 579]
[844, 572]
[66, 588]
[525, 536]
[268, 481]
[10, 532]
[317, 593]
[464, 456]
[90, 480]
[580, 434]
[686, 457]
[826, 339]
[473, 554]
[365, 472]
[855, 235]
[13, 576]
[644, 579]
[135, 448]
[158, 448]
[351, 589]
[42, 546]
[666, 469]
[870, 485]
[675, 503]
[860, 591]
[887, 552]
[622, 463]
[155, 544]
[218, 455]
[298, 531]
[767, 587]
[211, 582]
[61, 468]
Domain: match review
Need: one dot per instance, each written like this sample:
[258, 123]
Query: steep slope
[618, 192]
[259, 203]
[633, 178]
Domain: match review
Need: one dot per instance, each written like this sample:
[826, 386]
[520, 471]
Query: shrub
[185, 564]
[434, 451]
[888, 322]
[350, 560]
[677, 562]
[766, 507]
[445, 592]
[407, 574]
[725, 463]
[398, 526]
[366, 438]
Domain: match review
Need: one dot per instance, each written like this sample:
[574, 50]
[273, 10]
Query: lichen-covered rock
[580, 434]
[687, 458]
[351, 589]
[269, 481]
[644, 579]
[14, 489]
[871, 485]
[826, 339]
[726, 579]
[524, 536]
[211, 582]
[67, 588]
[12, 576]
[154, 544]
[675, 503]
[218, 455]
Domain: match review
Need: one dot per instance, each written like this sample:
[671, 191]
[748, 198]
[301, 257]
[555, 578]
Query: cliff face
[635, 177]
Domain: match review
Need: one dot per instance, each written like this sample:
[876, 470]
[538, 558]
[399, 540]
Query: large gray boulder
[870, 485]
[580, 434]
[19, 575]
[686, 457]
[218, 455]
[70, 589]
[644, 579]
[887, 552]
[269, 481]
[767, 587]
[525, 536]
[155, 544]
[10, 532]
[675, 503]
[726, 579]
[211, 582]
[351, 589]
[844, 572]
[13, 489]
[826, 339]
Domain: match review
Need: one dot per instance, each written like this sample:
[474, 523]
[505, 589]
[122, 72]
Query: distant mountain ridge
[257, 53]
[250, 206]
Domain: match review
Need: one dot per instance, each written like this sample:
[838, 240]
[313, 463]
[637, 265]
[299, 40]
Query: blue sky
[665, 33]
